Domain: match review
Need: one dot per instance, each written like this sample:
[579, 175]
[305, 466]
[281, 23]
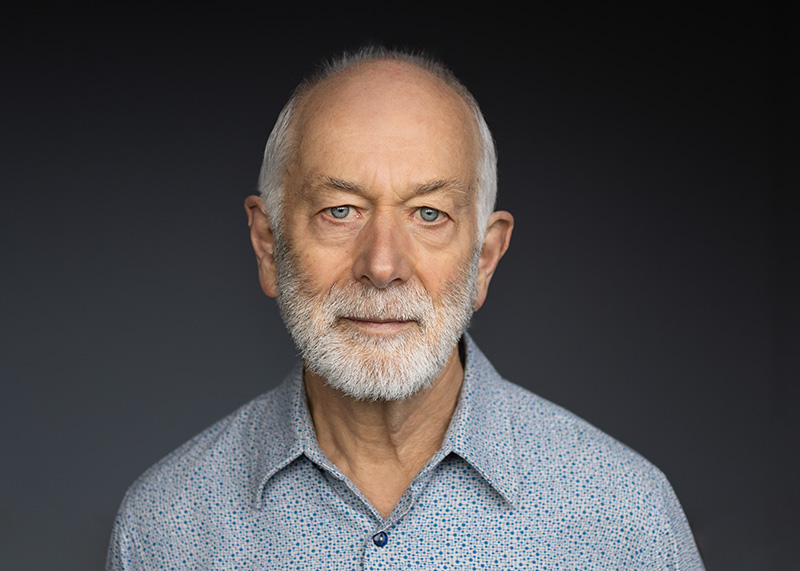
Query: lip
[378, 326]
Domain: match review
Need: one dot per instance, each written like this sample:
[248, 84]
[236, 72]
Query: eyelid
[354, 211]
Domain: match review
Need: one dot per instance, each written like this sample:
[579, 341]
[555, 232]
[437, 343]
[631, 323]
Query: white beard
[375, 367]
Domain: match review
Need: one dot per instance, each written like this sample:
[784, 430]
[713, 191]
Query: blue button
[380, 539]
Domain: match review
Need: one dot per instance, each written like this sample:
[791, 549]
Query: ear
[263, 241]
[495, 243]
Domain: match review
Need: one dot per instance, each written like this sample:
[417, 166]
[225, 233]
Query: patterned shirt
[519, 483]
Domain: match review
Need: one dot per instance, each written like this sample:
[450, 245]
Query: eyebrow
[450, 185]
[343, 185]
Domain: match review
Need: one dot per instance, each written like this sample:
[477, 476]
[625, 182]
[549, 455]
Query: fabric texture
[519, 483]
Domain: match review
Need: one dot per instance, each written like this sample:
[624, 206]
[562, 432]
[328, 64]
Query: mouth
[379, 326]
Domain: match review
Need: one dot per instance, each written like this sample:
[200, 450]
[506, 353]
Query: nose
[383, 252]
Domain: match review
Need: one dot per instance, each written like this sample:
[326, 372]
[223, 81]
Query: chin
[371, 367]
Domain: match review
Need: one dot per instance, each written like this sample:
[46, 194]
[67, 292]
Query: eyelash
[345, 209]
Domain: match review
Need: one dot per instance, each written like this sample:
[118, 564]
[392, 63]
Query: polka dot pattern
[519, 483]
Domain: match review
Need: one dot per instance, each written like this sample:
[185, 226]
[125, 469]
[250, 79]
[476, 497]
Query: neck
[382, 446]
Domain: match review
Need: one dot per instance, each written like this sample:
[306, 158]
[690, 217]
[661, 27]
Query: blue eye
[339, 211]
[428, 214]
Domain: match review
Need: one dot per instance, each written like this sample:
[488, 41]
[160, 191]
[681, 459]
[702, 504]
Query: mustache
[356, 300]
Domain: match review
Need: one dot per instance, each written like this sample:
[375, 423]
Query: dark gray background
[651, 286]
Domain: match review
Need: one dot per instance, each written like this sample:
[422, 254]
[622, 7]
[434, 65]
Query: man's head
[281, 146]
[374, 231]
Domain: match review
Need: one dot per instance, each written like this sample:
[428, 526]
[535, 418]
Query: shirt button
[380, 539]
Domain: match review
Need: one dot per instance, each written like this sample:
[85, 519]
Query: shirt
[519, 483]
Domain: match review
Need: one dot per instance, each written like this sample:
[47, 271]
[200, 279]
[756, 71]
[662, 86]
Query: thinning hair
[281, 145]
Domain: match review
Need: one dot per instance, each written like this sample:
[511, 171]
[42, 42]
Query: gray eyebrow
[449, 184]
[343, 185]
[446, 184]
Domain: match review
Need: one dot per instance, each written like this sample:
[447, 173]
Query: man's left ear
[495, 243]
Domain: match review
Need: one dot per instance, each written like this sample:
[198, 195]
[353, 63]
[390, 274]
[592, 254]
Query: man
[395, 444]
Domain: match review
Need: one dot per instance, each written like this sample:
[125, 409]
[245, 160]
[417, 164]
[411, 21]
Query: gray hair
[280, 148]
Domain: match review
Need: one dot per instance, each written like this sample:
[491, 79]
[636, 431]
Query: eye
[339, 211]
[429, 214]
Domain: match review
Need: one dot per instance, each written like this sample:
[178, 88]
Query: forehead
[387, 114]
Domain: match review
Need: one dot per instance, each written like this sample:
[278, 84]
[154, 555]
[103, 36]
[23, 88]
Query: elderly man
[394, 444]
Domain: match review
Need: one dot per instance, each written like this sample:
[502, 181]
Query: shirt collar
[479, 433]
[282, 431]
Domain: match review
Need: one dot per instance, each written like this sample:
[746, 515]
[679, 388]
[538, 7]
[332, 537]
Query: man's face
[377, 270]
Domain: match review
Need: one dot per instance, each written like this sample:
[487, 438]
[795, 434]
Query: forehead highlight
[380, 87]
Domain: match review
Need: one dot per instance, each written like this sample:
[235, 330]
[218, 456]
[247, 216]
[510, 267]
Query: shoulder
[563, 460]
[545, 433]
[223, 452]
[540, 432]
[571, 471]
[206, 483]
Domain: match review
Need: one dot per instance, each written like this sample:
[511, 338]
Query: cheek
[438, 274]
[323, 268]
[320, 264]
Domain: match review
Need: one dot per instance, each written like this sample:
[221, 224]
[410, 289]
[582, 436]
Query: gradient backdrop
[651, 285]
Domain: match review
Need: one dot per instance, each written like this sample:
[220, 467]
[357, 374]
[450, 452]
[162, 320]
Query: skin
[387, 140]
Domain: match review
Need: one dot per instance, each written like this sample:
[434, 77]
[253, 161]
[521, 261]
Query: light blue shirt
[519, 483]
